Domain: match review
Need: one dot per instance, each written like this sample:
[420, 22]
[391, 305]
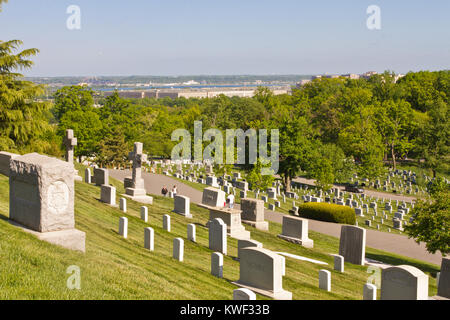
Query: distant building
[351, 76]
[178, 93]
[368, 74]
[302, 83]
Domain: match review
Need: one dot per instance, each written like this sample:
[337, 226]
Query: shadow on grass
[425, 267]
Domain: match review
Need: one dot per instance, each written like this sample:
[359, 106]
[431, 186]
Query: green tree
[256, 179]
[24, 121]
[431, 222]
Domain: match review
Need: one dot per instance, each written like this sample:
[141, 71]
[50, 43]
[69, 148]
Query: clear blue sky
[179, 37]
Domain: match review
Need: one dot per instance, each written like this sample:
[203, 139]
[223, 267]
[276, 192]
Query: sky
[211, 37]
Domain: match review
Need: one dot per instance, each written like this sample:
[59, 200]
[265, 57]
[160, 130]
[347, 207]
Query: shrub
[327, 212]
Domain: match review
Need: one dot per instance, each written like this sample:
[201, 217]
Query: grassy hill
[117, 268]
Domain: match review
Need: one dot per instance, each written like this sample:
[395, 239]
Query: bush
[327, 212]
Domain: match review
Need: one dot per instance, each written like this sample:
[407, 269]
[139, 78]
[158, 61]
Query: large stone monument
[213, 197]
[41, 199]
[135, 189]
[403, 283]
[253, 213]
[70, 142]
[261, 271]
[296, 230]
[352, 244]
[232, 218]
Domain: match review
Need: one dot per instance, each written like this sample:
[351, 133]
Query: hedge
[327, 212]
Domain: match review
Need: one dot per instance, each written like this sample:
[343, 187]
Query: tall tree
[24, 121]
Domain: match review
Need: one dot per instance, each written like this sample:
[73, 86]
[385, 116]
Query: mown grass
[117, 268]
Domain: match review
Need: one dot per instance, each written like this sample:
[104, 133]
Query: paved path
[394, 243]
[371, 193]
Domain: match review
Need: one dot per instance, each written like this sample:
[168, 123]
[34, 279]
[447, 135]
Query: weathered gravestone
[87, 175]
[101, 176]
[243, 294]
[178, 249]
[218, 236]
[5, 158]
[403, 283]
[247, 243]
[296, 230]
[108, 194]
[212, 181]
[217, 264]
[182, 206]
[213, 197]
[261, 271]
[232, 218]
[253, 213]
[444, 279]
[41, 199]
[135, 188]
[352, 244]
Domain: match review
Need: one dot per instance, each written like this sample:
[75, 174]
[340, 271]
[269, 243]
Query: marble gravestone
[232, 218]
[296, 230]
[218, 236]
[352, 244]
[182, 206]
[41, 199]
[70, 142]
[213, 197]
[101, 176]
[403, 283]
[261, 271]
[135, 188]
[444, 278]
[253, 213]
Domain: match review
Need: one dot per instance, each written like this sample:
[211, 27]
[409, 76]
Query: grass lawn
[117, 268]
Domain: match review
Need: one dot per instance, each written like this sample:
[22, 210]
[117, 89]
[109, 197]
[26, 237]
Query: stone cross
[70, 142]
[138, 158]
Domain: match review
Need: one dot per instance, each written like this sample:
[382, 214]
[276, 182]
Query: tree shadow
[395, 261]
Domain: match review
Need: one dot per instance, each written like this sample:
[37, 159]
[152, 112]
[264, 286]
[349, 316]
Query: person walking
[174, 191]
[230, 200]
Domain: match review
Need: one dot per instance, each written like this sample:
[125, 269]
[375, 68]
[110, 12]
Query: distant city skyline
[207, 37]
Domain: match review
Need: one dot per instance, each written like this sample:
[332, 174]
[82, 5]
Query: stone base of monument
[279, 295]
[260, 225]
[138, 195]
[72, 239]
[232, 218]
[307, 243]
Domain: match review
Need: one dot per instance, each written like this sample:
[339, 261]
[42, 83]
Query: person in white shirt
[230, 199]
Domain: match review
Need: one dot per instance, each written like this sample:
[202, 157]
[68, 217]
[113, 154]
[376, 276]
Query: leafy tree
[433, 141]
[431, 222]
[24, 122]
[322, 171]
[256, 179]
